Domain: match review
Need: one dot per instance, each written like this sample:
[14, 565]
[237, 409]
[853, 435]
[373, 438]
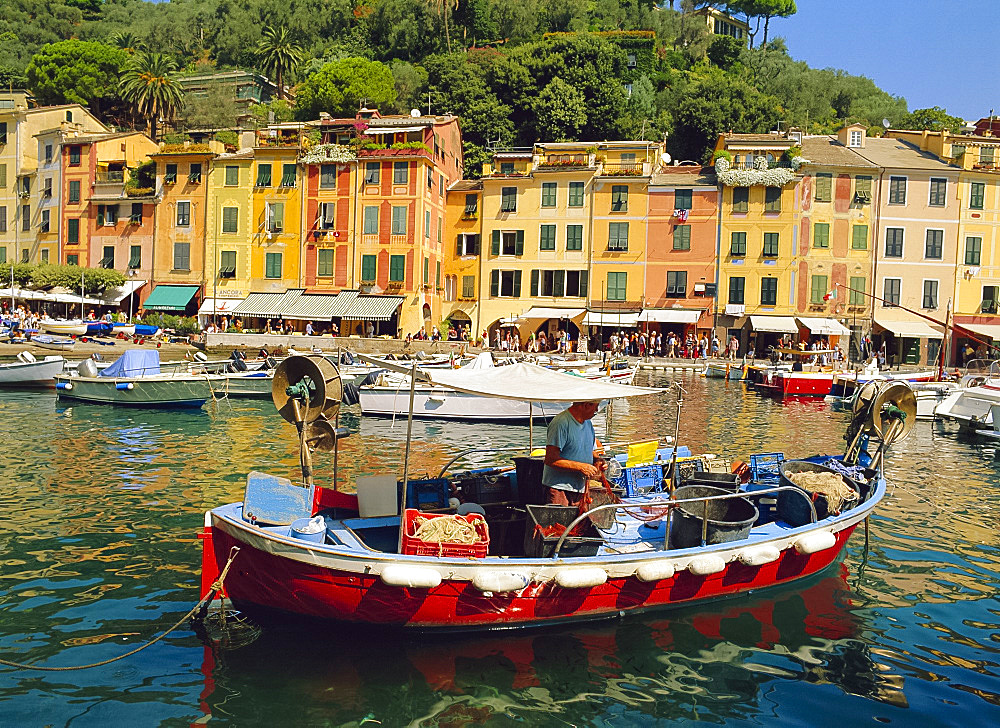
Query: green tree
[340, 87]
[410, 82]
[126, 40]
[724, 51]
[215, 109]
[148, 85]
[561, 111]
[714, 104]
[933, 119]
[278, 54]
[74, 71]
[762, 11]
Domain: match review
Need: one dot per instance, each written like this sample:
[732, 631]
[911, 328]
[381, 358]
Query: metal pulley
[894, 403]
[309, 383]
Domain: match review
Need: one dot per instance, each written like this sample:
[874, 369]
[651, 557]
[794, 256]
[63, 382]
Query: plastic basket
[431, 493]
[489, 486]
[643, 479]
[412, 546]
[765, 466]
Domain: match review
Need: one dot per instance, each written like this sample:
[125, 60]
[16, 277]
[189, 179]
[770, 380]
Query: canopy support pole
[406, 454]
[531, 427]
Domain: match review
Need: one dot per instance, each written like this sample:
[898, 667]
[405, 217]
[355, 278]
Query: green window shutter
[576, 194]
[324, 262]
[583, 283]
[547, 240]
[288, 175]
[859, 237]
[682, 237]
[459, 246]
[495, 283]
[264, 175]
[519, 243]
[427, 270]
[517, 284]
[818, 289]
[100, 215]
[368, 263]
[821, 235]
[824, 184]
[72, 230]
[574, 237]
[858, 286]
[230, 216]
[559, 283]
[534, 283]
[495, 243]
[548, 194]
[741, 199]
[232, 176]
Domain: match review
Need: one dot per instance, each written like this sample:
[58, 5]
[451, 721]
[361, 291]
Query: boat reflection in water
[715, 661]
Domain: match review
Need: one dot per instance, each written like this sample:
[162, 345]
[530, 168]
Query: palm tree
[147, 84]
[443, 8]
[126, 40]
[278, 54]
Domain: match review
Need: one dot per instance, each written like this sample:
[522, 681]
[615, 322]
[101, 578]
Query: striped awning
[315, 307]
[373, 308]
[267, 305]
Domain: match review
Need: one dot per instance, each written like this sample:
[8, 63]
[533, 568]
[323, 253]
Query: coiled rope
[216, 588]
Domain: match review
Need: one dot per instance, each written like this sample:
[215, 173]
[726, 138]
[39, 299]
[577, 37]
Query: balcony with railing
[281, 138]
[109, 184]
[564, 162]
[625, 169]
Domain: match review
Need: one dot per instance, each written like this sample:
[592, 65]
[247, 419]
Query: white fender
[812, 543]
[415, 577]
[581, 578]
[655, 571]
[759, 556]
[500, 581]
[706, 565]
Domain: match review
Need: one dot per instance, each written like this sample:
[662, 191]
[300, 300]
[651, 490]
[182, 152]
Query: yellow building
[276, 223]
[179, 262]
[976, 304]
[463, 268]
[564, 228]
[229, 231]
[29, 179]
[759, 255]
[836, 227]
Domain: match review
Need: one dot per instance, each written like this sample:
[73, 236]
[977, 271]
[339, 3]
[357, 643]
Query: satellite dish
[414, 113]
[665, 158]
[886, 123]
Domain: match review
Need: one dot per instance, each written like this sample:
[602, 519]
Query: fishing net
[829, 485]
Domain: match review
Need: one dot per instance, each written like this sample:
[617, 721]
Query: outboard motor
[270, 363]
[87, 368]
[237, 355]
[238, 365]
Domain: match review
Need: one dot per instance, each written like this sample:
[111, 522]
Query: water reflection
[714, 662]
[101, 507]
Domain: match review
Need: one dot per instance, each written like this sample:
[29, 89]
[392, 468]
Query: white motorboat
[975, 404]
[135, 379]
[64, 327]
[57, 343]
[28, 371]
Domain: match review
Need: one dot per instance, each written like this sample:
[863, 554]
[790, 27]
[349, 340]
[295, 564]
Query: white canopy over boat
[524, 382]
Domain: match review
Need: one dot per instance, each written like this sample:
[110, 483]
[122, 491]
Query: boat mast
[944, 354]
[82, 317]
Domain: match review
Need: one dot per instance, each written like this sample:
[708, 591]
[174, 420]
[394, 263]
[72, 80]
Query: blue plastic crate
[431, 493]
[765, 466]
[641, 479]
[767, 505]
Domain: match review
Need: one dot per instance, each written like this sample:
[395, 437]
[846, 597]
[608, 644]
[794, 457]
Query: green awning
[170, 298]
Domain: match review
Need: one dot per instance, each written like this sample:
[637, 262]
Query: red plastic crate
[412, 546]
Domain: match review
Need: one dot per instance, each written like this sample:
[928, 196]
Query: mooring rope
[216, 588]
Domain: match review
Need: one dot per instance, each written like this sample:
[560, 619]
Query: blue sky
[930, 53]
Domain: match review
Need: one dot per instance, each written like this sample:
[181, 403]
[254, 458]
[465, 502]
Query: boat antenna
[406, 454]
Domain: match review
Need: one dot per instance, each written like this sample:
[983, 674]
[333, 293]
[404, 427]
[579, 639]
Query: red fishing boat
[320, 552]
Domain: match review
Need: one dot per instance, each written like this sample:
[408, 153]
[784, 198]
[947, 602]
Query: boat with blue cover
[390, 556]
[134, 379]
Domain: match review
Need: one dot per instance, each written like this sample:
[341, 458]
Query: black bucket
[728, 520]
[529, 479]
[793, 509]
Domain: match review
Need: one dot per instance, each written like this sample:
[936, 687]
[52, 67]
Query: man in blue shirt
[570, 457]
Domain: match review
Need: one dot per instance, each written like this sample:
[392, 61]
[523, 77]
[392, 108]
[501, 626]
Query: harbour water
[100, 509]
